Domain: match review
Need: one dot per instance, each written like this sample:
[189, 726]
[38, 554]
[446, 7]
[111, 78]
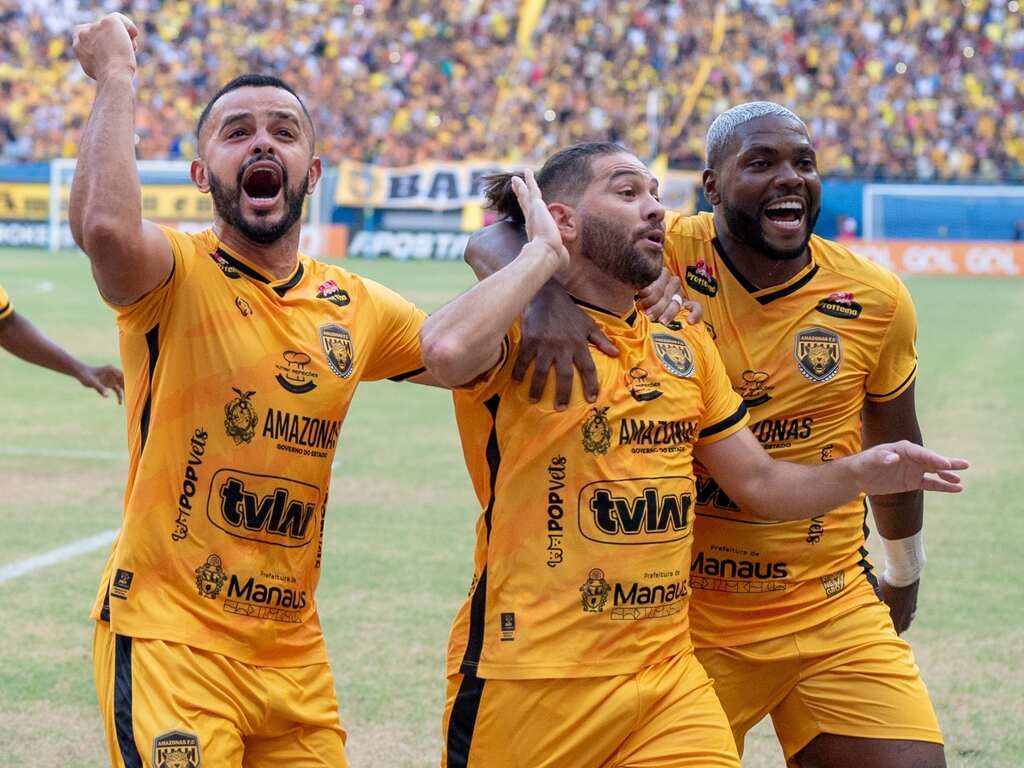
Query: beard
[748, 229]
[615, 252]
[227, 203]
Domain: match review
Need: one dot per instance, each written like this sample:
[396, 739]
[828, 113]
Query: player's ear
[198, 173]
[710, 182]
[566, 220]
[314, 173]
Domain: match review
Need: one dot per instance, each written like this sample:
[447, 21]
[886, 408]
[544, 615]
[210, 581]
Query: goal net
[168, 197]
[942, 212]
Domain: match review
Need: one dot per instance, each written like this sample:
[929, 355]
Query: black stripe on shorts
[463, 720]
[123, 702]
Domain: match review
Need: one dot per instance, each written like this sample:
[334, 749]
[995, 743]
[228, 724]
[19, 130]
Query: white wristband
[904, 559]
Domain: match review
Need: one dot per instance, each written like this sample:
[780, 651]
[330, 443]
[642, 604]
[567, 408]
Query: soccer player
[242, 356]
[788, 618]
[573, 647]
[20, 337]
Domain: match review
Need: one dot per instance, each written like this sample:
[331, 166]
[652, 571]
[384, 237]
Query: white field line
[63, 453]
[54, 556]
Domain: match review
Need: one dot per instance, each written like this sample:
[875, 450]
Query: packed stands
[931, 89]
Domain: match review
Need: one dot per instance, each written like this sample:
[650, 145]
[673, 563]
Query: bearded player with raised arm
[242, 355]
[573, 648]
[789, 618]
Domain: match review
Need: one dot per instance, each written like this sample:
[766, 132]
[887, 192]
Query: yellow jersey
[237, 385]
[804, 356]
[587, 513]
[6, 307]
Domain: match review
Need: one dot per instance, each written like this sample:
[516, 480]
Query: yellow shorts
[166, 705]
[851, 676]
[664, 716]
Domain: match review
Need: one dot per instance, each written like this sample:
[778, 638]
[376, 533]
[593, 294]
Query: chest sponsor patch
[640, 510]
[840, 304]
[701, 277]
[818, 353]
[263, 508]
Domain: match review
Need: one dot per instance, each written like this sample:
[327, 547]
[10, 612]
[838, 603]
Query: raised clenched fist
[106, 46]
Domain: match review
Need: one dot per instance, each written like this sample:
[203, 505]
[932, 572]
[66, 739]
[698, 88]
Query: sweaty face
[256, 142]
[770, 190]
[622, 222]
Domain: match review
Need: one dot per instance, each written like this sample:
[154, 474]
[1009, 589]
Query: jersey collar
[770, 294]
[606, 314]
[280, 287]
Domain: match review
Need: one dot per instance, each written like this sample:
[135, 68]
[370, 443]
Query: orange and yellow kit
[237, 386]
[579, 596]
[805, 356]
[6, 307]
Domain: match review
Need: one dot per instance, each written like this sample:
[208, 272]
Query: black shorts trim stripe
[153, 345]
[864, 563]
[478, 603]
[123, 726]
[724, 424]
[407, 374]
[462, 721]
[105, 609]
[892, 392]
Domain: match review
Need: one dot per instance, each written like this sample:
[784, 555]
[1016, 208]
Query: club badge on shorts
[176, 749]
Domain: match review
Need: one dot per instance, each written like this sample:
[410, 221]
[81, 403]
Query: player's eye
[629, 193]
[285, 133]
[236, 133]
[757, 164]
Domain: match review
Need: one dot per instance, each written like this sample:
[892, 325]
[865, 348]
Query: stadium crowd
[929, 89]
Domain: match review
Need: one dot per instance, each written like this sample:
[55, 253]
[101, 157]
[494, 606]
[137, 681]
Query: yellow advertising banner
[27, 201]
[445, 186]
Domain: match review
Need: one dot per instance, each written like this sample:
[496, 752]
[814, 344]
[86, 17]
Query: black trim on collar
[282, 289]
[242, 267]
[629, 319]
[751, 288]
[248, 271]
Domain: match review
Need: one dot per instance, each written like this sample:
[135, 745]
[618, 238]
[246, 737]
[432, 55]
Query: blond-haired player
[573, 648]
[789, 618]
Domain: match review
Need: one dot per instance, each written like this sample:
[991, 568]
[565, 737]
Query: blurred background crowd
[925, 89]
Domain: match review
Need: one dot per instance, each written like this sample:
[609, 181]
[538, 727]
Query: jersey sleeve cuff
[727, 426]
[893, 394]
[6, 309]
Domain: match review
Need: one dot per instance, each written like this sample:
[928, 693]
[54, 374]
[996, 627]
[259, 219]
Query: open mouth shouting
[786, 216]
[262, 185]
[653, 238]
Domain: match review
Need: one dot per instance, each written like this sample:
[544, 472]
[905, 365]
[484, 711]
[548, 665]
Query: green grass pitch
[397, 556]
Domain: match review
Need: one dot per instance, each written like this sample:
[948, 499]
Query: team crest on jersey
[240, 417]
[176, 749]
[597, 432]
[641, 386]
[337, 345]
[225, 265]
[674, 354]
[840, 304]
[833, 583]
[210, 577]
[701, 277]
[331, 292]
[755, 387]
[594, 591]
[818, 353]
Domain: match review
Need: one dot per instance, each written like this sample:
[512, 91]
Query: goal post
[168, 197]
